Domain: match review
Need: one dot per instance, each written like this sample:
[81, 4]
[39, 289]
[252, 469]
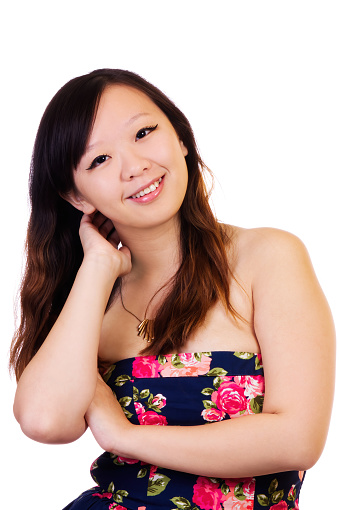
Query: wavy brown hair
[53, 247]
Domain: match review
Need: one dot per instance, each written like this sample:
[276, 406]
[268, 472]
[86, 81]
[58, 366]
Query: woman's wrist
[123, 444]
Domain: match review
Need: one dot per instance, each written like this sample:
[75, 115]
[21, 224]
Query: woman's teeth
[148, 190]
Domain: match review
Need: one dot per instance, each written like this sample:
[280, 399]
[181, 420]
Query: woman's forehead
[125, 100]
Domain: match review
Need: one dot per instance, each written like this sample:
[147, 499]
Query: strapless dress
[185, 389]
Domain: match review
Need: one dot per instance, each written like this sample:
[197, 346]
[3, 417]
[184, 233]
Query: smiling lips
[148, 190]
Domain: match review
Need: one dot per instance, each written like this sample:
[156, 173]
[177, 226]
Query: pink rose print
[235, 504]
[127, 460]
[146, 366]
[152, 471]
[232, 502]
[282, 505]
[207, 494]
[291, 492]
[253, 385]
[192, 366]
[159, 401]
[107, 495]
[139, 408]
[230, 398]
[212, 414]
[296, 507]
[151, 418]
[259, 356]
[117, 507]
[141, 508]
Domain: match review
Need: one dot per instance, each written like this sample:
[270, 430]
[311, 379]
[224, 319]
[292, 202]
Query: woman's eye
[98, 161]
[145, 131]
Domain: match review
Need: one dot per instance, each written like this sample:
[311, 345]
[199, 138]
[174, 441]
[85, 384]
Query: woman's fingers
[105, 227]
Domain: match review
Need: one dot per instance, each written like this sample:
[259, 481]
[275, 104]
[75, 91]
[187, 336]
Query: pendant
[146, 330]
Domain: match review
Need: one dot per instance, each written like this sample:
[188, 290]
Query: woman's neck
[155, 251]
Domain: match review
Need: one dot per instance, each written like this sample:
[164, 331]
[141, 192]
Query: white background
[258, 81]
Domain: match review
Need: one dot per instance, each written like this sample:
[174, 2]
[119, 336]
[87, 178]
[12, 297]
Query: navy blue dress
[185, 389]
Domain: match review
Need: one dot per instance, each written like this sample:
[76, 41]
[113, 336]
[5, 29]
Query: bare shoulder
[258, 249]
[263, 238]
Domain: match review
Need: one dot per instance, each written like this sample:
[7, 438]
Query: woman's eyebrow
[136, 117]
[130, 121]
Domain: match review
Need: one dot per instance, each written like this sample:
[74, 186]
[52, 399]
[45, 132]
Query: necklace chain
[145, 327]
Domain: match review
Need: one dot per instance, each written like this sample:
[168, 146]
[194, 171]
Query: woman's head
[66, 126]
[132, 148]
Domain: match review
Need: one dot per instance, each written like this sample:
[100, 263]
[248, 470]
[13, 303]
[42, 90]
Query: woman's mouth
[149, 189]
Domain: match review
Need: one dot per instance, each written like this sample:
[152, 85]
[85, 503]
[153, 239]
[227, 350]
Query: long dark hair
[54, 251]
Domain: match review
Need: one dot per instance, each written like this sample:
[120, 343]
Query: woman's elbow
[309, 453]
[45, 428]
[306, 449]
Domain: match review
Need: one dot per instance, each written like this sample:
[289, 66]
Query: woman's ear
[77, 201]
[183, 148]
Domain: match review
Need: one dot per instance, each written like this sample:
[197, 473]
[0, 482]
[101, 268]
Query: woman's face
[134, 169]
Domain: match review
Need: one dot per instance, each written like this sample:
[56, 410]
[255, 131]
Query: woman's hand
[107, 420]
[100, 239]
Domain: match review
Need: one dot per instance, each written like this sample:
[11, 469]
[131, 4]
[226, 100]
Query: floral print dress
[185, 389]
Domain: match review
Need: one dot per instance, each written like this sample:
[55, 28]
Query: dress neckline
[207, 353]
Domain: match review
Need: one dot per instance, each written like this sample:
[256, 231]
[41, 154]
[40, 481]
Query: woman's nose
[133, 164]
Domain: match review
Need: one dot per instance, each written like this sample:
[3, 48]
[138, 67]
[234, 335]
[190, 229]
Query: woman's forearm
[58, 385]
[240, 447]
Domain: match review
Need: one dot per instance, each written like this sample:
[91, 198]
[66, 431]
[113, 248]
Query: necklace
[146, 326]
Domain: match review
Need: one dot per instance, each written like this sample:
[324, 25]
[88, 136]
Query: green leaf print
[258, 364]
[225, 488]
[244, 355]
[157, 484]
[277, 496]
[144, 393]
[217, 381]
[122, 379]
[118, 462]
[207, 391]
[257, 404]
[292, 494]
[125, 401]
[216, 372]
[239, 493]
[198, 355]
[162, 359]
[207, 353]
[119, 495]
[273, 486]
[208, 404]
[142, 473]
[110, 487]
[150, 398]
[154, 408]
[176, 361]
[135, 393]
[127, 413]
[108, 373]
[263, 500]
[182, 503]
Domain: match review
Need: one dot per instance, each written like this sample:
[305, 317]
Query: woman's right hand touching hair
[100, 240]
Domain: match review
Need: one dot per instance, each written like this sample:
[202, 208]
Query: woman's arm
[58, 384]
[295, 330]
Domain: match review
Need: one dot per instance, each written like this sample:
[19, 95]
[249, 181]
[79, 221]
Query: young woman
[182, 315]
